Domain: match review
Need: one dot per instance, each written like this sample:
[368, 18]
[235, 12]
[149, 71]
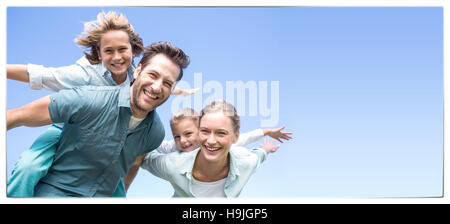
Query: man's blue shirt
[96, 149]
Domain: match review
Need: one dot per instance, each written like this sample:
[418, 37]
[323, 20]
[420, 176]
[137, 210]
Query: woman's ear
[236, 137]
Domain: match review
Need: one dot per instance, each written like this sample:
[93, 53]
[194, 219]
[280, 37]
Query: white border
[215, 3]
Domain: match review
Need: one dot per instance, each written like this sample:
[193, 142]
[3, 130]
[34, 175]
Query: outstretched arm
[257, 134]
[17, 72]
[33, 114]
[184, 92]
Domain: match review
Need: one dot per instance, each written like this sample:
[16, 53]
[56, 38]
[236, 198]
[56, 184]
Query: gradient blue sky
[360, 87]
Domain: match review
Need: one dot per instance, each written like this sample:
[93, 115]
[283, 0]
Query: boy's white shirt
[66, 77]
[244, 139]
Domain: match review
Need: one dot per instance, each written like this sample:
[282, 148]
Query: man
[106, 128]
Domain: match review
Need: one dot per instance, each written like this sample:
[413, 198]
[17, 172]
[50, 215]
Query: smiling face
[185, 134]
[216, 135]
[153, 84]
[116, 52]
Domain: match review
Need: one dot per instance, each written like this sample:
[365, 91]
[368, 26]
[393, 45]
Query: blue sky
[360, 87]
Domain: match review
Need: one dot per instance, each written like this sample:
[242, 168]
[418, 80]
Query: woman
[184, 126]
[216, 168]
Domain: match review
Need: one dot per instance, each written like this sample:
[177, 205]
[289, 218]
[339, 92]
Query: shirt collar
[234, 170]
[124, 96]
[107, 74]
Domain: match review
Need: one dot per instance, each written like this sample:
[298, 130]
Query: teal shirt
[176, 167]
[95, 148]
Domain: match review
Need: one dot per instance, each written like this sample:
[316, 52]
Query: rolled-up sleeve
[167, 147]
[262, 155]
[56, 79]
[249, 137]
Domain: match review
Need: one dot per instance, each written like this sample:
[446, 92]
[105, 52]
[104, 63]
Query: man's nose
[157, 85]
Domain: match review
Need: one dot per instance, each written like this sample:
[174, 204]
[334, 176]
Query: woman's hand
[278, 134]
[268, 146]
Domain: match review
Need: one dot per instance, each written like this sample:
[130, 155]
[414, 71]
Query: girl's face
[185, 134]
[216, 135]
[116, 52]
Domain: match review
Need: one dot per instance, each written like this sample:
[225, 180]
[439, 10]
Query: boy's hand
[184, 92]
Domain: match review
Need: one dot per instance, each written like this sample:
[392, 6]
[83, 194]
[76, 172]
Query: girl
[111, 44]
[217, 168]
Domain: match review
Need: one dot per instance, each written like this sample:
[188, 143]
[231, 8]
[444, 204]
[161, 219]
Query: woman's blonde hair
[106, 22]
[227, 109]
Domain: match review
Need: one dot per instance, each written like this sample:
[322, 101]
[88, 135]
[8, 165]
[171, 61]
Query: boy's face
[115, 51]
[185, 134]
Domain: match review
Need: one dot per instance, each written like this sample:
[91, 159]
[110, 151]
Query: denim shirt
[95, 148]
[81, 73]
[176, 167]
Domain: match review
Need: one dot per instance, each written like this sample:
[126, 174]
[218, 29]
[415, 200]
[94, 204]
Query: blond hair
[184, 113]
[227, 109]
[106, 22]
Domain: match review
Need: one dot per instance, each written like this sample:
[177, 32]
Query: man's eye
[168, 84]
